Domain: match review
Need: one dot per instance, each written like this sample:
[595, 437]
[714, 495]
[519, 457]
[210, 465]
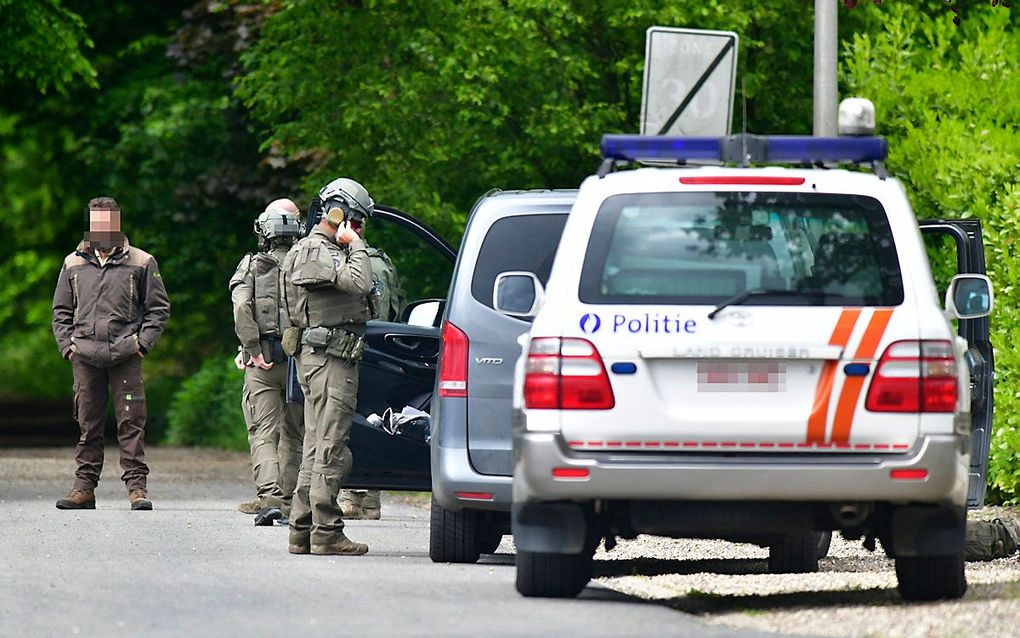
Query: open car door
[964, 236]
[398, 367]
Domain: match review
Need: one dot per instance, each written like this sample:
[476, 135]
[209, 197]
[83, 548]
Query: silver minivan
[471, 446]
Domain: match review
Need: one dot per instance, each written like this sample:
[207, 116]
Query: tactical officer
[366, 504]
[275, 428]
[109, 309]
[327, 280]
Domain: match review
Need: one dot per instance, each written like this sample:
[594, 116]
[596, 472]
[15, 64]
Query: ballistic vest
[311, 269]
[265, 270]
[392, 297]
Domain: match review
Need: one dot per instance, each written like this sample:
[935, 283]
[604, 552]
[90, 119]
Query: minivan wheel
[931, 577]
[454, 537]
[553, 575]
[796, 554]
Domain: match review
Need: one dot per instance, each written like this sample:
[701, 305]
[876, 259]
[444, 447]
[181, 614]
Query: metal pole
[826, 46]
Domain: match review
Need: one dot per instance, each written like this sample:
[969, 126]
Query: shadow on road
[659, 567]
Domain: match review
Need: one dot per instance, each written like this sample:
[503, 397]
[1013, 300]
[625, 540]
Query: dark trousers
[92, 387]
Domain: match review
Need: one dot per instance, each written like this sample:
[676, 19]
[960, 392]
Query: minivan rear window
[703, 248]
[517, 242]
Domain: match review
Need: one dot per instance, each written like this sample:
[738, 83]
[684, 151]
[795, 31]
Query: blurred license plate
[741, 376]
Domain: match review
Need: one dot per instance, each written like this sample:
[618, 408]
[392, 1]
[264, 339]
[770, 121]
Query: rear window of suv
[704, 248]
[517, 242]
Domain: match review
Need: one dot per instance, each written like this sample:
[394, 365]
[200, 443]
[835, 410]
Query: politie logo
[590, 323]
[644, 323]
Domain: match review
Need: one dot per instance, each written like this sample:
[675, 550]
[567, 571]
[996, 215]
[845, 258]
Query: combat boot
[299, 545]
[251, 507]
[139, 499]
[78, 499]
[343, 547]
[350, 505]
[371, 506]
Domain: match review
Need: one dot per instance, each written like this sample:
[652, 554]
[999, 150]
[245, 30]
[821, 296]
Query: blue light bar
[825, 149]
[658, 147]
[745, 149]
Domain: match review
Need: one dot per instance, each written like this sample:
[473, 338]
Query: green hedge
[206, 410]
[948, 100]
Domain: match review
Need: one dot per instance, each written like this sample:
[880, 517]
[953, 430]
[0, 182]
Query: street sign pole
[826, 43]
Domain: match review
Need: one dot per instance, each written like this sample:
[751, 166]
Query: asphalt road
[196, 567]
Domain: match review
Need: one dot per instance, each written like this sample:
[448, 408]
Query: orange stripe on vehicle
[823, 391]
[852, 386]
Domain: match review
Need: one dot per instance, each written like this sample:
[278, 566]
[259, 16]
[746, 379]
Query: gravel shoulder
[853, 594]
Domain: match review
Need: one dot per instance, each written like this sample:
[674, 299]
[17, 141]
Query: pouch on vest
[316, 337]
[291, 340]
[266, 273]
[346, 346]
[314, 266]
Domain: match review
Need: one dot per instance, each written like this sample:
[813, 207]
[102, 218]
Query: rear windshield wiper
[736, 300]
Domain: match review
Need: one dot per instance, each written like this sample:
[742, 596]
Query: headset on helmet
[277, 223]
[347, 195]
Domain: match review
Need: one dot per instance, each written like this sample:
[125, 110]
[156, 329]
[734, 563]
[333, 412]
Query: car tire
[553, 575]
[454, 536]
[795, 554]
[931, 577]
[824, 542]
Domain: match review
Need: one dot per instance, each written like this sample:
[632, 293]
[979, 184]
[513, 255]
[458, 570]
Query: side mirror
[969, 297]
[425, 312]
[518, 294]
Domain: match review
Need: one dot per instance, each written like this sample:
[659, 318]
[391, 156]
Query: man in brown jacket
[109, 309]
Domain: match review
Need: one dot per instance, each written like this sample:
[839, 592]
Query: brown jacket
[108, 313]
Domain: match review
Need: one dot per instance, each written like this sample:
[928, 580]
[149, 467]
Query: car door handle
[406, 343]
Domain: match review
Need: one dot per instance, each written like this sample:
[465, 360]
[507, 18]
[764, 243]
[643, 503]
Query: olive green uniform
[275, 428]
[392, 300]
[327, 290]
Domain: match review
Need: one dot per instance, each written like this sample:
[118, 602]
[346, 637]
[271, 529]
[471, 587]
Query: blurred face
[104, 229]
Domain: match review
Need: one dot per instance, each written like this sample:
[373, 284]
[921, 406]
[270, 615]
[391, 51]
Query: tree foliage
[431, 105]
[43, 43]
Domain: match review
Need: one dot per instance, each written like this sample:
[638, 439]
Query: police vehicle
[755, 353]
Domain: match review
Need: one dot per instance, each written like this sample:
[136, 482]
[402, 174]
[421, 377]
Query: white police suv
[750, 353]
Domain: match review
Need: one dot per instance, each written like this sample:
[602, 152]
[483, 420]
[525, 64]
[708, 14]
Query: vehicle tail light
[453, 362]
[915, 376]
[571, 473]
[908, 474]
[566, 374]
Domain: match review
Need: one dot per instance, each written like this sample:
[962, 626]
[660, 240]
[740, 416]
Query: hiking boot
[351, 509]
[343, 547]
[267, 515]
[251, 507]
[78, 499]
[299, 544]
[371, 513]
[283, 521]
[139, 499]
[351, 512]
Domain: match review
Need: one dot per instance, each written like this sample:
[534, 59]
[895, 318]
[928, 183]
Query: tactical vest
[265, 270]
[392, 297]
[312, 297]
